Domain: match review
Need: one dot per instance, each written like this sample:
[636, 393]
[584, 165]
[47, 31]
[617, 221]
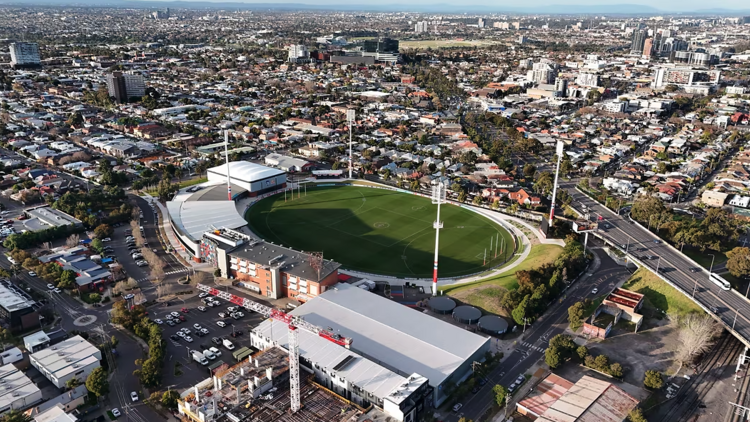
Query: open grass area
[660, 296]
[446, 43]
[704, 258]
[381, 231]
[486, 293]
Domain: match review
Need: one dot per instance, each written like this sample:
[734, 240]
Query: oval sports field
[380, 231]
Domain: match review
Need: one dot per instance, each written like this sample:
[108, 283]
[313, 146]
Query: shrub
[653, 380]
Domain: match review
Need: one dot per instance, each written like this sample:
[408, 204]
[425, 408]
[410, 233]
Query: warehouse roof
[12, 299]
[245, 171]
[193, 218]
[16, 386]
[66, 357]
[359, 371]
[590, 400]
[388, 332]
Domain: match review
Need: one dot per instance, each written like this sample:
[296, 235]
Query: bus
[328, 174]
[719, 281]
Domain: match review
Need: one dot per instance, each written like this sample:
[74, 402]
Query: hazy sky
[667, 5]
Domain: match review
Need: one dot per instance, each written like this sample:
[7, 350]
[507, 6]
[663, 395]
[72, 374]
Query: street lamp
[657, 265]
[438, 197]
[710, 269]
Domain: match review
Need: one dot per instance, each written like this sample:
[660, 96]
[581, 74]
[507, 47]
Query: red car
[182, 318]
[185, 310]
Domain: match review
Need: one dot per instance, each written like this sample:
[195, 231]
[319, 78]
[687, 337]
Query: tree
[97, 382]
[636, 415]
[97, 245]
[529, 170]
[72, 240]
[500, 394]
[520, 312]
[67, 279]
[552, 357]
[739, 261]
[601, 363]
[15, 416]
[653, 380]
[72, 383]
[615, 370]
[103, 230]
[169, 399]
[462, 196]
[477, 200]
[695, 336]
[575, 315]
[582, 352]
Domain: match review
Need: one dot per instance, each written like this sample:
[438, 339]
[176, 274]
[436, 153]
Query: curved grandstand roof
[246, 171]
[193, 218]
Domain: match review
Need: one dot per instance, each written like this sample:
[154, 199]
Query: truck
[208, 355]
[228, 344]
[198, 357]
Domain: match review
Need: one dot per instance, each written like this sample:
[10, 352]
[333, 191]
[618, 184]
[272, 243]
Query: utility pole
[350, 116]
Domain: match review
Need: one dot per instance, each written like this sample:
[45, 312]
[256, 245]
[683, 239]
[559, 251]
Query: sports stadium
[381, 231]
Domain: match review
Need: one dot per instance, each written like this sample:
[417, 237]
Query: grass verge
[182, 184]
[486, 293]
[703, 258]
[660, 296]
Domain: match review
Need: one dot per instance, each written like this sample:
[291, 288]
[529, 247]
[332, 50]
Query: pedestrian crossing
[532, 347]
[180, 271]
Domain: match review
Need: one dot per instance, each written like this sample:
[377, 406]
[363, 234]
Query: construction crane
[294, 323]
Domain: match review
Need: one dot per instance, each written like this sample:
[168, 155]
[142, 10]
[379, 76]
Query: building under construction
[257, 390]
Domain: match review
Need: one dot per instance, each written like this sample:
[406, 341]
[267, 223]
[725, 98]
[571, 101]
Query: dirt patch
[533, 239]
[650, 348]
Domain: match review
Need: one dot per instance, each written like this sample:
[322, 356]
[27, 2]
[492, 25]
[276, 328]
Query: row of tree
[142, 326]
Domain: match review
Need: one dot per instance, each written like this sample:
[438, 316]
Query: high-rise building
[25, 55]
[685, 77]
[648, 47]
[480, 22]
[639, 39]
[421, 27]
[297, 53]
[380, 45]
[588, 79]
[561, 87]
[123, 86]
[542, 73]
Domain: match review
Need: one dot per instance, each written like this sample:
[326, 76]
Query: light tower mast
[560, 150]
[226, 155]
[350, 115]
[438, 198]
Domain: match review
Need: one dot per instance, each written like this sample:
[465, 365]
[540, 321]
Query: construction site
[258, 390]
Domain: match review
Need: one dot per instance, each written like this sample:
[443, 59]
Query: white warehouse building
[72, 358]
[253, 178]
[386, 334]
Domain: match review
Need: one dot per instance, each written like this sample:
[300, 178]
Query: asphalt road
[732, 309]
[531, 345]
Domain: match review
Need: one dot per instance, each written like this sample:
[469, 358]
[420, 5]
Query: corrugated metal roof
[401, 337]
[194, 218]
[590, 400]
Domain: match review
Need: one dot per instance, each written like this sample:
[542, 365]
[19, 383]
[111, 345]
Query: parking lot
[178, 351]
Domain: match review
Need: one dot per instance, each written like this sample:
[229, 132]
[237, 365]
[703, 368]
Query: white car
[204, 331]
[142, 263]
[106, 239]
[232, 308]
[202, 308]
[188, 339]
[158, 321]
[222, 315]
[221, 324]
[595, 291]
[457, 407]
[175, 314]
[32, 273]
[215, 351]
[58, 291]
[202, 295]
[197, 326]
[128, 296]
[51, 286]
[116, 412]
[181, 334]
[133, 396]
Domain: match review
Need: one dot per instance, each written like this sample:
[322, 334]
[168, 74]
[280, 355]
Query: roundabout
[382, 232]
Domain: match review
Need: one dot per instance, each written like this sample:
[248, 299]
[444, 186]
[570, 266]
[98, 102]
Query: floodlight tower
[226, 155]
[438, 197]
[350, 115]
[560, 150]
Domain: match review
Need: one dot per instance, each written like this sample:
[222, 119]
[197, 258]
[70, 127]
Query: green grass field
[659, 294]
[380, 231]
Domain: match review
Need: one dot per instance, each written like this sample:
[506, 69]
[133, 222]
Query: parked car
[202, 308]
[174, 314]
[175, 337]
[221, 324]
[51, 286]
[216, 341]
[133, 396]
[185, 310]
[457, 407]
[116, 412]
[32, 273]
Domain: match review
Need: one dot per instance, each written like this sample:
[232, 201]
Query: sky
[666, 5]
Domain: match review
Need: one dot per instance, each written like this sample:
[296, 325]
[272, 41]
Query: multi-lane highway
[730, 307]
